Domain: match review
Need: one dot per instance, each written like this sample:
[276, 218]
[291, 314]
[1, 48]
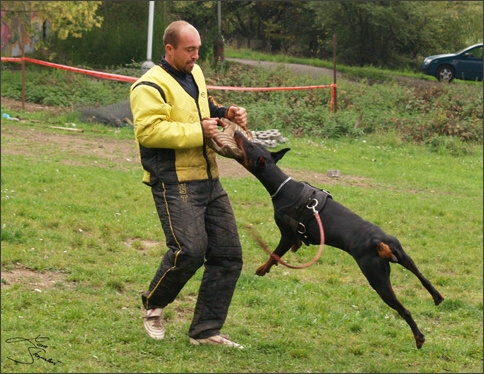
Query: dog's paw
[262, 270]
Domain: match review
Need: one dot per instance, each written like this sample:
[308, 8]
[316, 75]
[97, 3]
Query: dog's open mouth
[239, 139]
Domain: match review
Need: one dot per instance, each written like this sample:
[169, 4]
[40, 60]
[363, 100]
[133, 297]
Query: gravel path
[314, 72]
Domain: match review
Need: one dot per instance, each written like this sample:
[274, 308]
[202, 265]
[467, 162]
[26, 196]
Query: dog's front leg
[285, 243]
[264, 269]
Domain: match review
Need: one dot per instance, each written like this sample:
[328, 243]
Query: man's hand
[224, 143]
[209, 126]
[238, 115]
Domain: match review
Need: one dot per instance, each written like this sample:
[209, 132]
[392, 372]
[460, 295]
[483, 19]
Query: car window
[476, 52]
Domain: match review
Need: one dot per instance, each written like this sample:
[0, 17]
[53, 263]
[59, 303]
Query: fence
[124, 78]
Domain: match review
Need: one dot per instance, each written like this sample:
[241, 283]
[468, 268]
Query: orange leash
[278, 259]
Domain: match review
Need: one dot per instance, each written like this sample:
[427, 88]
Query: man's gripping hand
[238, 115]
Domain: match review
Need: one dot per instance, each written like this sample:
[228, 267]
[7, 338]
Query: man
[173, 120]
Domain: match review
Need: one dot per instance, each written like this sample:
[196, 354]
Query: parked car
[466, 64]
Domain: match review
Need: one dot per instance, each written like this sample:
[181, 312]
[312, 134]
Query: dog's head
[255, 157]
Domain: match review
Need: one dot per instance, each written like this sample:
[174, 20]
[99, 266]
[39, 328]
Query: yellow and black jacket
[167, 127]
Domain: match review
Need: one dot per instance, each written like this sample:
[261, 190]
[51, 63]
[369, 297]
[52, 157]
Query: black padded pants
[200, 229]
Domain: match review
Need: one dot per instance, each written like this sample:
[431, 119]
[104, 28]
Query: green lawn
[81, 241]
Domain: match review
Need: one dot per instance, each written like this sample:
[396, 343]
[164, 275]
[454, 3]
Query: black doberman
[369, 245]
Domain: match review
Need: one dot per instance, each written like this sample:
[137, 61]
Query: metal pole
[150, 30]
[219, 17]
[148, 64]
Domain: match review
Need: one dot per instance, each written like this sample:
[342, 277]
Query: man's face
[184, 56]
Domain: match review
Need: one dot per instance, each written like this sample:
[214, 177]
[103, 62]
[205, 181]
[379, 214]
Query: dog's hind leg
[377, 271]
[406, 261]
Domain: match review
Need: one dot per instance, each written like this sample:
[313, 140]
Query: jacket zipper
[209, 173]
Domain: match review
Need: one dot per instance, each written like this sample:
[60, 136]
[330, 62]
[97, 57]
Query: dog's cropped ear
[261, 163]
[279, 154]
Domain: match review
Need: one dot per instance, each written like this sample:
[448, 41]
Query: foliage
[271, 26]
[397, 34]
[64, 17]
[448, 145]
[417, 111]
[70, 17]
[384, 34]
[451, 112]
[60, 88]
[122, 38]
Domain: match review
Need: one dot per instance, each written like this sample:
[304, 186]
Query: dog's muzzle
[224, 143]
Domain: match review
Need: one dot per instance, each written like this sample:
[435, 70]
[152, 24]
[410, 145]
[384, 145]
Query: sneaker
[216, 340]
[153, 322]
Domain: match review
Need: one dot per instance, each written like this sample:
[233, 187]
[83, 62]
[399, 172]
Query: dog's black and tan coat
[369, 245]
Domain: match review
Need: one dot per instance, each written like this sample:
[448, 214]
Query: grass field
[81, 241]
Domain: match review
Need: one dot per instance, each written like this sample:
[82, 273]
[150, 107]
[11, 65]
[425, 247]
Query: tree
[203, 16]
[122, 38]
[391, 34]
[396, 34]
[272, 23]
[64, 17]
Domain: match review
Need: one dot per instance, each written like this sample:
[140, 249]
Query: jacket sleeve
[216, 110]
[153, 124]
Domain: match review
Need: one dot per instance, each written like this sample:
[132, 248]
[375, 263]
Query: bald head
[175, 30]
[182, 43]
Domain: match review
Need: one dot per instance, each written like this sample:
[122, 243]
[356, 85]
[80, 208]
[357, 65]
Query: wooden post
[335, 107]
[22, 50]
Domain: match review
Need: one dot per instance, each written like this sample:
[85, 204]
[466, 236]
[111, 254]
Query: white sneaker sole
[216, 340]
[157, 332]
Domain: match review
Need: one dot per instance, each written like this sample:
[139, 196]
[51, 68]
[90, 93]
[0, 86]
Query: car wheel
[445, 73]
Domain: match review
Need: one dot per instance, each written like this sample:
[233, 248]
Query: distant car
[466, 64]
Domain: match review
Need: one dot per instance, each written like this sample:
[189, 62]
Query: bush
[417, 113]
[448, 145]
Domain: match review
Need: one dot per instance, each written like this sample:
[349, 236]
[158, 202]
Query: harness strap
[302, 211]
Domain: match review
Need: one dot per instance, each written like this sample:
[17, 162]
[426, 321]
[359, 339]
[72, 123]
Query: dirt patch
[37, 281]
[38, 139]
[141, 244]
[28, 107]
[120, 154]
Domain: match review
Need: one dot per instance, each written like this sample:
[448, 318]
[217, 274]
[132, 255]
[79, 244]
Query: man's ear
[279, 154]
[169, 48]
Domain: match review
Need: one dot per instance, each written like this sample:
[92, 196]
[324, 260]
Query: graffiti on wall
[12, 35]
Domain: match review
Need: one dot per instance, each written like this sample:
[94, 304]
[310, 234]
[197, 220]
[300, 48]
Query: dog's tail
[385, 252]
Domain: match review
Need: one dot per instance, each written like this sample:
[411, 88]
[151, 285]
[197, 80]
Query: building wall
[11, 35]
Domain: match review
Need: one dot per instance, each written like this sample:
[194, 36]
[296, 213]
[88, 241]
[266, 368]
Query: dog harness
[299, 211]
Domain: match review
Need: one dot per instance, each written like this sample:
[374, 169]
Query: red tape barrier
[96, 74]
[124, 78]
